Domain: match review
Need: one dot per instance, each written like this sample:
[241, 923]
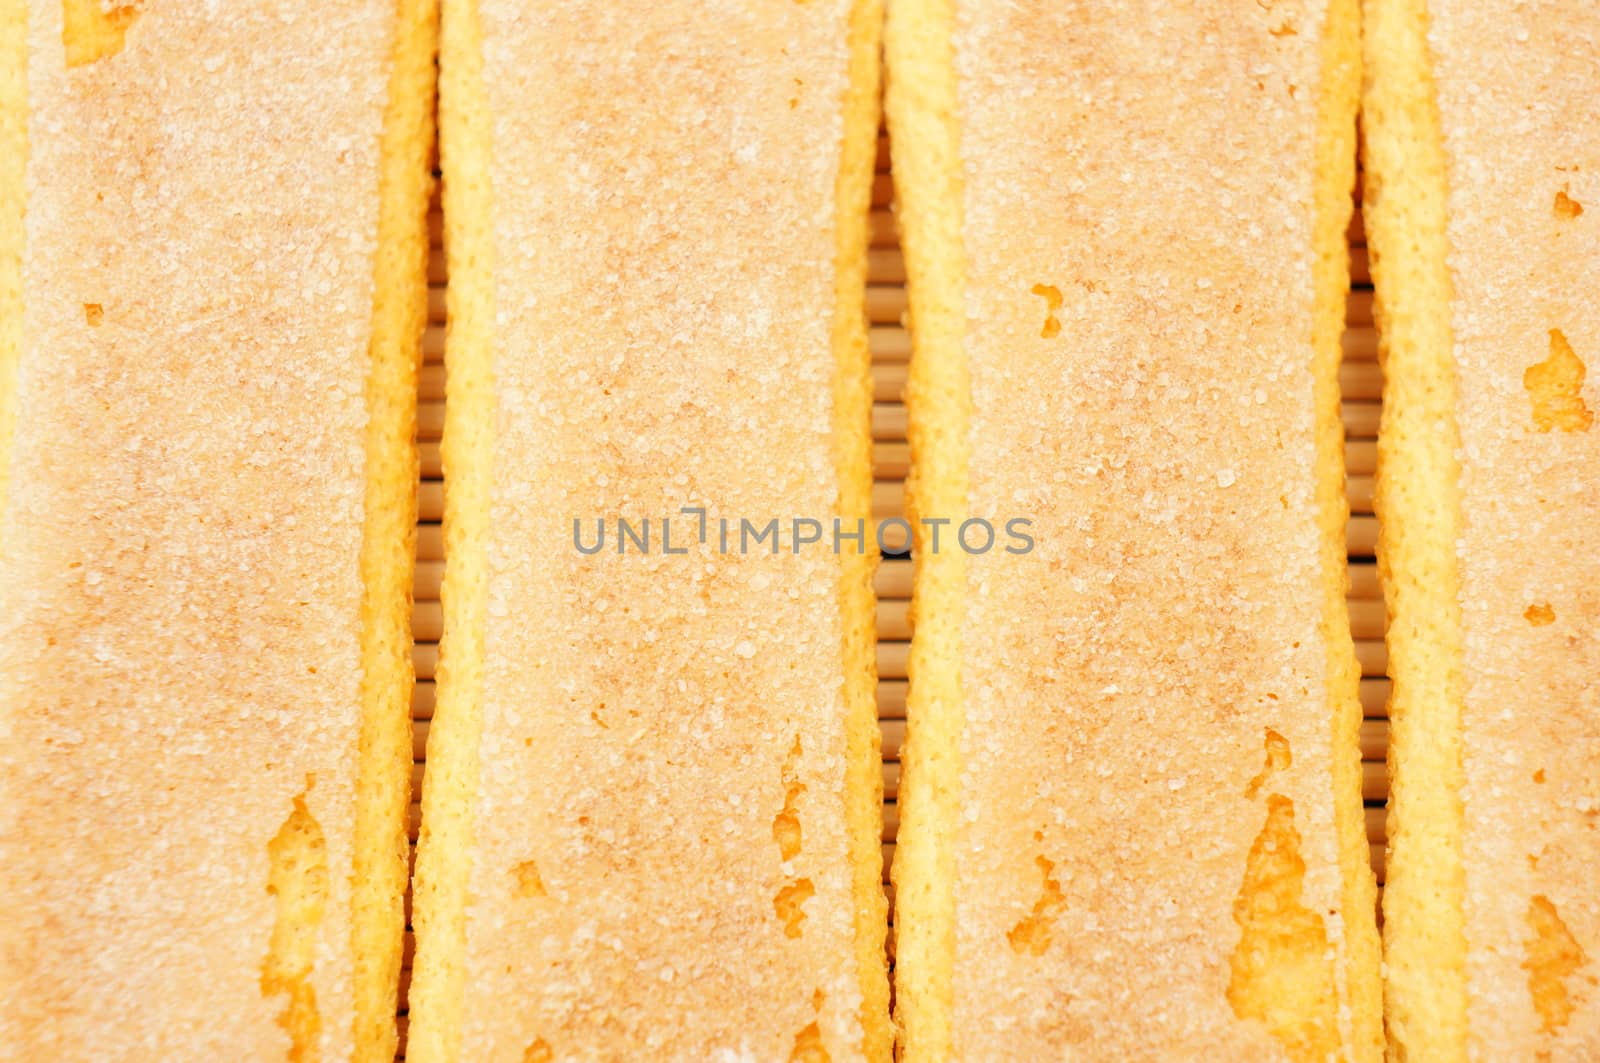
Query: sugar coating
[179, 586]
[663, 184]
[1519, 102]
[1156, 167]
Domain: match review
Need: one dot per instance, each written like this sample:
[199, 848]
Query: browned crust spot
[1552, 958]
[790, 905]
[1279, 758]
[1555, 386]
[530, 885]
[786, 824]
[1052, 303]
[808, 1046]
[1282, 969]
[92, 30]
[1566, 208]
[1031, 935]
[297, 880]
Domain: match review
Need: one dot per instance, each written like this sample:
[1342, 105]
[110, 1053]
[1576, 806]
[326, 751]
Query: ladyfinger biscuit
[1132, 823]
[1482, 172]
[211, 301]
[651, 812]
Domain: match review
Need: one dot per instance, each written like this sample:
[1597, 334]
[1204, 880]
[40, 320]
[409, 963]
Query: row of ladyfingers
[1131, 813]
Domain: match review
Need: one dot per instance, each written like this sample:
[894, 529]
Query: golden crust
[920, 103]
[439, 886]
[399, 314]
[205, 684]
[852, 409]
[643, 766]
[1338, 101]
[1087, 823]
[1419, 512]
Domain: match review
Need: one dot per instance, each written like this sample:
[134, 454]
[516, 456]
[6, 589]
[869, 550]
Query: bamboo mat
[891, 351]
